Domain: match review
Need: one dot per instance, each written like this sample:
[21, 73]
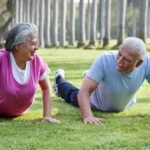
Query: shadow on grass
[69, 66]
[66, 111]
[133, 116]
[20, 120]
[143, 100]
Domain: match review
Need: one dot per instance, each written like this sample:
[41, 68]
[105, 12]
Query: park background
[72, 33]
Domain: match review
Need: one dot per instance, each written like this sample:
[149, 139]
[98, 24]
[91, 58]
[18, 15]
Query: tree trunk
[63, 22]
[32, 11]
[13, 22]
[37, 6]
[89, 21]
[148, 20]
[93, 23]
[121, 21]
[47, 23]
[41, 23]
[55, 24]
[17, 12]
[3, 29]
[72, 23]
[28, 10]
[102, 19]
[143, 19]
[107, 22]
[134, 18]
[24, 11]
[81, 41]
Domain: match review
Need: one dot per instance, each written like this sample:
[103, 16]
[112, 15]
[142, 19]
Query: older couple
[110, 85]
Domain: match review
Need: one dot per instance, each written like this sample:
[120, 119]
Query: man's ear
[139, 63]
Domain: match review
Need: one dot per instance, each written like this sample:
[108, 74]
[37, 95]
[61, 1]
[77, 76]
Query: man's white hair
[136, 44]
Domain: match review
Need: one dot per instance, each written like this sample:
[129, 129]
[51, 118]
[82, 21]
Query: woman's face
[26, 50]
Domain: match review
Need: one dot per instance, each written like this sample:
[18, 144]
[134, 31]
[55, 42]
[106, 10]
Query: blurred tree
[135, 6]
[32, 11]
[143, 7]
[93, 23]
[17, 11]
[63, 7]
[121, 21]
[72, 22]
[88, 21]
[55, 23]
[47, 24]
[148, 20]
[102, 19]
[26, 10]
[37, 8]
[107, 23]
[3, 29]
[5, 17]
[81, 38]
[41, 23]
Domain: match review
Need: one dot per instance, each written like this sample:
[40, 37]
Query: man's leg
[65, 90]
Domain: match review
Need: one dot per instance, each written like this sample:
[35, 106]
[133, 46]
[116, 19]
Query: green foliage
[128, 130]
[10, 5]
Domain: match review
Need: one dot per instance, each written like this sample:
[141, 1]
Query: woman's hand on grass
[49, 119]
[92, 120]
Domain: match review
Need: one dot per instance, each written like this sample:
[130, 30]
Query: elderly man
[111, 82]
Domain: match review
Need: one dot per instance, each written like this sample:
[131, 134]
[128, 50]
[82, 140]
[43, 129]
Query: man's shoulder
[108, 55]
[146, 62]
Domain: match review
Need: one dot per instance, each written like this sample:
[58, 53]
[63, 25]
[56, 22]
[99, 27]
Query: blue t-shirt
[116, 90]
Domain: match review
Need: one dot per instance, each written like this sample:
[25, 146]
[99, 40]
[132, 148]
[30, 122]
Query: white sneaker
[84, 74]
[58, 73]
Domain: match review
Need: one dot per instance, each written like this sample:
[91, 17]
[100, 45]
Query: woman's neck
[20, 63]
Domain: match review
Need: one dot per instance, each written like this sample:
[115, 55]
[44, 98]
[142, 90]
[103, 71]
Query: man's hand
[87, 88]
[92, 120]
[49, 119]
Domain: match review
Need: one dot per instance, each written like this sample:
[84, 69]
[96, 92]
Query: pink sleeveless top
[16, 98]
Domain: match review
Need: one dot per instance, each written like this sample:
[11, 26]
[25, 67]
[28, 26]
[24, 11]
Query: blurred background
[78, 23]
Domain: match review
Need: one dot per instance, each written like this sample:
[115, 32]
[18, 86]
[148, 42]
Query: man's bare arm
[85, 91]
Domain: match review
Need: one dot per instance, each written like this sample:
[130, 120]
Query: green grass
[128, 130]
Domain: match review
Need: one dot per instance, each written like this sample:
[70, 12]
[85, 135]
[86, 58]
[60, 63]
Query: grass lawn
[128, 130]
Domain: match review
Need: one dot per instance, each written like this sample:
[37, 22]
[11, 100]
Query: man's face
[126, 60]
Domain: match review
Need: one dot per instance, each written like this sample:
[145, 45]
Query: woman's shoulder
[3, 53]
[4, 56]
[38, 59]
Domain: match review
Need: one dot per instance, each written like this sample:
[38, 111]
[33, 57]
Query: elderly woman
[21, 69]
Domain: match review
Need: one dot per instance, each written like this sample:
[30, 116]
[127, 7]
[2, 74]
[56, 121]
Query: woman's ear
[17, 47]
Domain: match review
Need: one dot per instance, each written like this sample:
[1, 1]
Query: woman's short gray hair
[19, 34]
[136, 44]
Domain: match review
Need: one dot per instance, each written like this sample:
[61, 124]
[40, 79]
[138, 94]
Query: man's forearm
[84, 103]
